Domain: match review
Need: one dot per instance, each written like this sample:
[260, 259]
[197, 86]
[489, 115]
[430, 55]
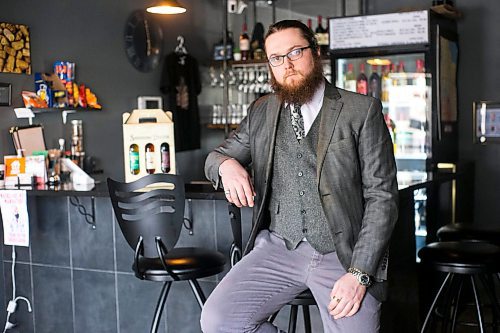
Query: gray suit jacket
[356, 175]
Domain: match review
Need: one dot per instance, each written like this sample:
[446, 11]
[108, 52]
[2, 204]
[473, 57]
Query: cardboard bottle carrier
[145, 126]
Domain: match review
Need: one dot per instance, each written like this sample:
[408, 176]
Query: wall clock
[143, 41]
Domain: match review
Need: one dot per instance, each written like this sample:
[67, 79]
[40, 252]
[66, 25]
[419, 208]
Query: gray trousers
[268, 278]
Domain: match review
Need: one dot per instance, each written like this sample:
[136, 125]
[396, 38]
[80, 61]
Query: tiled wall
[79, 279]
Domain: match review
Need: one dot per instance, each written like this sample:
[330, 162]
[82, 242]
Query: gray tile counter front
[79, 279]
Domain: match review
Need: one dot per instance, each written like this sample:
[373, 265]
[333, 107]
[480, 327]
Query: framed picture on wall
[15, 53]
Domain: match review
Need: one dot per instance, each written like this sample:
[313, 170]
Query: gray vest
[295, 204]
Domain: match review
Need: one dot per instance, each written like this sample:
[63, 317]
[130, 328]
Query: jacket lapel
[330, 112]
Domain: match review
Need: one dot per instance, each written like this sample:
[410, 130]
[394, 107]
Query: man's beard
[302, 92]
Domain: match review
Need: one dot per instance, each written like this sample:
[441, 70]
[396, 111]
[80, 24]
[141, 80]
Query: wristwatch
[363, 278]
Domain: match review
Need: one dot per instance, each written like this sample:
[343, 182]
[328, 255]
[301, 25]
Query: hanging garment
[180, 81]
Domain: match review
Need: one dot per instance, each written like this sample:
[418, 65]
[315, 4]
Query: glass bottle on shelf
[375, 84]
[165, 157]
[322, 36]
[134, 159]
[362, 81]
[244, 43]
[402, 74]
[150, 158]
[386, 82]
[350, 78]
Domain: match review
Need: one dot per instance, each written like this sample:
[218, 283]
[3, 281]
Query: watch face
[143, 41]
[364, 279]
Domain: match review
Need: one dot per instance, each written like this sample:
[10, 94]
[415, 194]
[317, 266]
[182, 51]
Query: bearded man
[324, 196]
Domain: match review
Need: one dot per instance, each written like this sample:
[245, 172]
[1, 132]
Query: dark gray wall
[478, 79]
[90, 33]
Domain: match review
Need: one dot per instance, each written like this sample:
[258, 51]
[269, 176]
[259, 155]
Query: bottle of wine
[386, 84]
[375, 84]
[165, 157]
[403, 81]
[350, 78]
[150, 158]
[310, 24]
[362, 81]
[244, 43]
[420, 73]
[134, 159]
[322, 36]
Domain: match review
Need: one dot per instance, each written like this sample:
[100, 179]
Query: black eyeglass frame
[282, 57]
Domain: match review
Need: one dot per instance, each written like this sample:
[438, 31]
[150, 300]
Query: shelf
[63, 111]
[68, 110]
[222, 126]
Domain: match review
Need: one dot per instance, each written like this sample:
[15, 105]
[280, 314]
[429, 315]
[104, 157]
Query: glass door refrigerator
[409, 61]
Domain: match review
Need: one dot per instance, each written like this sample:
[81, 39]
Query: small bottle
[165, 157]
[386, 84]
[402, 74]
[362, 81]
[310, 24]
[244, 43]
[322, 36]
[150, 158]
[134, 159]
[350, 78]
[375, 84]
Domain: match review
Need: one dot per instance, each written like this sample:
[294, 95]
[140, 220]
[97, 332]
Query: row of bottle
[322, 35]
[134, 156]
[377, 85]
[248, 49]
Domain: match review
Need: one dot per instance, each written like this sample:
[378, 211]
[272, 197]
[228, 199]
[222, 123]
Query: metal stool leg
[307, 319]
[434, 302]
[198, 292]
[478, 305]
[489, 286]
[292, 323]
[160, 305]
[457, 304]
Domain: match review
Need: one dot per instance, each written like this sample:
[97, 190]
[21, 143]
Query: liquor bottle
[165, 157]
[134, 159]
[420, 73]
[375, 84]
[350, 78]
[386, 84]
[150, 158]
[310, 24]
[244, 43]
[322, 37]
[362, 81]
[403, 81]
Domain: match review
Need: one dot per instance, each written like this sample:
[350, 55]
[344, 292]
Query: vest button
[299, 155]
[301, 193]
[300, 174]
[303, 211]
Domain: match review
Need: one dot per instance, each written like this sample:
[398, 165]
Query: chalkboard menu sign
[379, 30]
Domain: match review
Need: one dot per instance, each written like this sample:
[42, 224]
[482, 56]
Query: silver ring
[227, 192]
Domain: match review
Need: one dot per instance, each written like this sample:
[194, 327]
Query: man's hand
[237, 183]
[346, 297]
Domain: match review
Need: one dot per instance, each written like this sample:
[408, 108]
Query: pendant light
[166, 7]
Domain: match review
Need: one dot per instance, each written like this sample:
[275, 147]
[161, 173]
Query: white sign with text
[13, 205]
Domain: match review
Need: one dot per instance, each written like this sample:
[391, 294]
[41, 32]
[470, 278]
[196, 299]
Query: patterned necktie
[297, 121]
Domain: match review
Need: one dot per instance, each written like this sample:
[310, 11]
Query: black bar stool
[464, 262]
[469, 231]
[304, 299]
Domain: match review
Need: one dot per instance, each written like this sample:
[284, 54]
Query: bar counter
[77, 271]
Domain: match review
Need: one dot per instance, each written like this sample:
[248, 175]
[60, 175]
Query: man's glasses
[295, 54]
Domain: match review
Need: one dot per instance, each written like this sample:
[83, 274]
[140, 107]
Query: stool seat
[304, 298]
[466, 257]
[469, 231]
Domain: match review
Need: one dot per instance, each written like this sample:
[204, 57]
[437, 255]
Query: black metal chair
[464, 262]
[150, 212]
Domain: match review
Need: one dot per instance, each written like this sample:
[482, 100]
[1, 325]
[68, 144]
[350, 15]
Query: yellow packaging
[14, 165]
[143, 127]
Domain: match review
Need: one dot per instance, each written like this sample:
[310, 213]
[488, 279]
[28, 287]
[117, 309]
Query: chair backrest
[151, 207]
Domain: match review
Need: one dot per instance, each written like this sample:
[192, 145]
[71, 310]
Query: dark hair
[306, 33]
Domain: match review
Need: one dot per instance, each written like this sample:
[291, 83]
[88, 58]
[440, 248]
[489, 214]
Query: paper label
[15, 218]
